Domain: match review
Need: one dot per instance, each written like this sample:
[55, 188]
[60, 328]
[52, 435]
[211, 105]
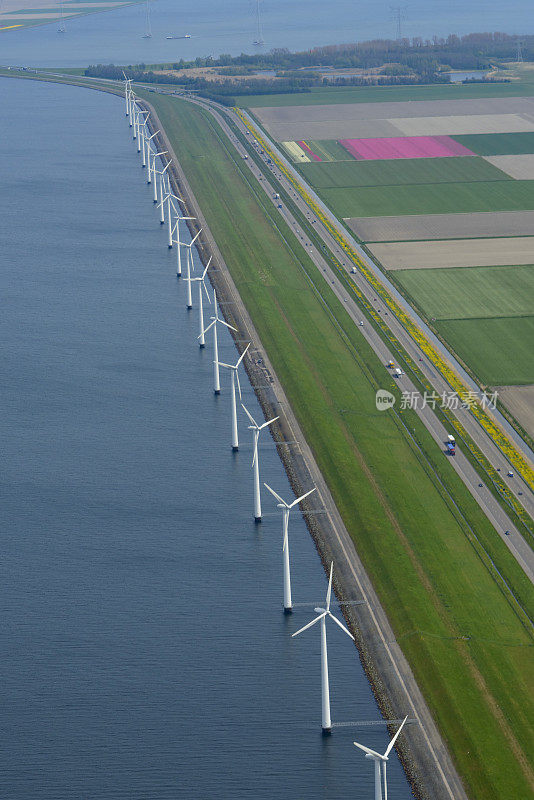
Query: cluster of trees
[473, 51]
[224, 91]
[407, 61]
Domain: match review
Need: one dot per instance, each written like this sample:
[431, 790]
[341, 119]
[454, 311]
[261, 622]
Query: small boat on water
[185, 36]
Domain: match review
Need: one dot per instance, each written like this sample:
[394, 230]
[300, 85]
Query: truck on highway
[452, 440]
[451, 449]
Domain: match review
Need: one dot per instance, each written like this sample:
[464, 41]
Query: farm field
[442, 255]
[400, 172]
[520, 167]
[499, 144]
[430, 199]
[443, 226]
[499, 350]
[385, 94]
[436, 585]
[520, 401]
[467, 293]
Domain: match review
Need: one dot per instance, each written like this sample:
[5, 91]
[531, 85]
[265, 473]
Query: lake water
[144, 652]
[229, 27]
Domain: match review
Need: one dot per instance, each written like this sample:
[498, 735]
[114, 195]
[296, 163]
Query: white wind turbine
[140, 131]
[127, 86]
[256, 430]
[168, 200]
[380, 764]
[216, 319]
[189, 260]
[176, 227]
[149, 154]
[234, 377]
[286, 508]
[201, 285]
[162, 190]
[156, 172]
[131, 100]
[325, 688]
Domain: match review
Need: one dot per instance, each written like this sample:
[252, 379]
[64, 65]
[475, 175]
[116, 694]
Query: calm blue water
[229, 27]
[144, 652]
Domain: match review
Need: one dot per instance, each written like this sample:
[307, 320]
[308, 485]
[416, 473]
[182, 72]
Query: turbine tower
[216, 319]
[259, 36]
[148, 29]
[168, 200]
[256, 430]
[149, 154]
[235, 377]
[176, 227]
[325, 688]
[189, 263]
[286, 508]
[202, 285]
[380, 764]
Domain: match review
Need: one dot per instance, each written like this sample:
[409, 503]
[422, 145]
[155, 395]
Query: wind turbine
[140, 132]
[286, 508]
[176, 228]
[380, 764]
[235, 376]
[161, 173]
[256, 429]
[189, 262]
[167, 199]
[149, 154]
[154, 171]
[148, 29]
[325, 689]
[127, 85]
[216, 319]
[202, 285]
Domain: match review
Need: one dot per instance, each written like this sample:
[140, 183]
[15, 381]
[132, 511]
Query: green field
[444, 198]
[399, 172]
[436, 584]
[382, 94]
[471, 291]
[329, 150]
[498, 144]
[498, 350]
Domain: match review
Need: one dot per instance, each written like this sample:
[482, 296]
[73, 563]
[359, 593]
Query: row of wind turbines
[170, 214]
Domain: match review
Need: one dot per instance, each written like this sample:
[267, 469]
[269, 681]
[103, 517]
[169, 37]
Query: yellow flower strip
[502, 441]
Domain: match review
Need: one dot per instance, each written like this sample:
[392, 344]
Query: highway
[277, 184]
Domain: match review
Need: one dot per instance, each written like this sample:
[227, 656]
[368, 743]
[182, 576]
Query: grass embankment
[432, 575]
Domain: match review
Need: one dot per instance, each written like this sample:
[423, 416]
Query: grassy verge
[394, 490]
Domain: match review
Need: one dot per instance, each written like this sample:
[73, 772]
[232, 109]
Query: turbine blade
[243, 354]
[228, 366]
[266, 424]
[391, 744]
[249, 415]
[207, 293]
[305, 628]
[238, 384]
[368, 750]
[227, 325]
[299, 499]
[196, 237]
[276, 495]
[341, 625]
[329, 590]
